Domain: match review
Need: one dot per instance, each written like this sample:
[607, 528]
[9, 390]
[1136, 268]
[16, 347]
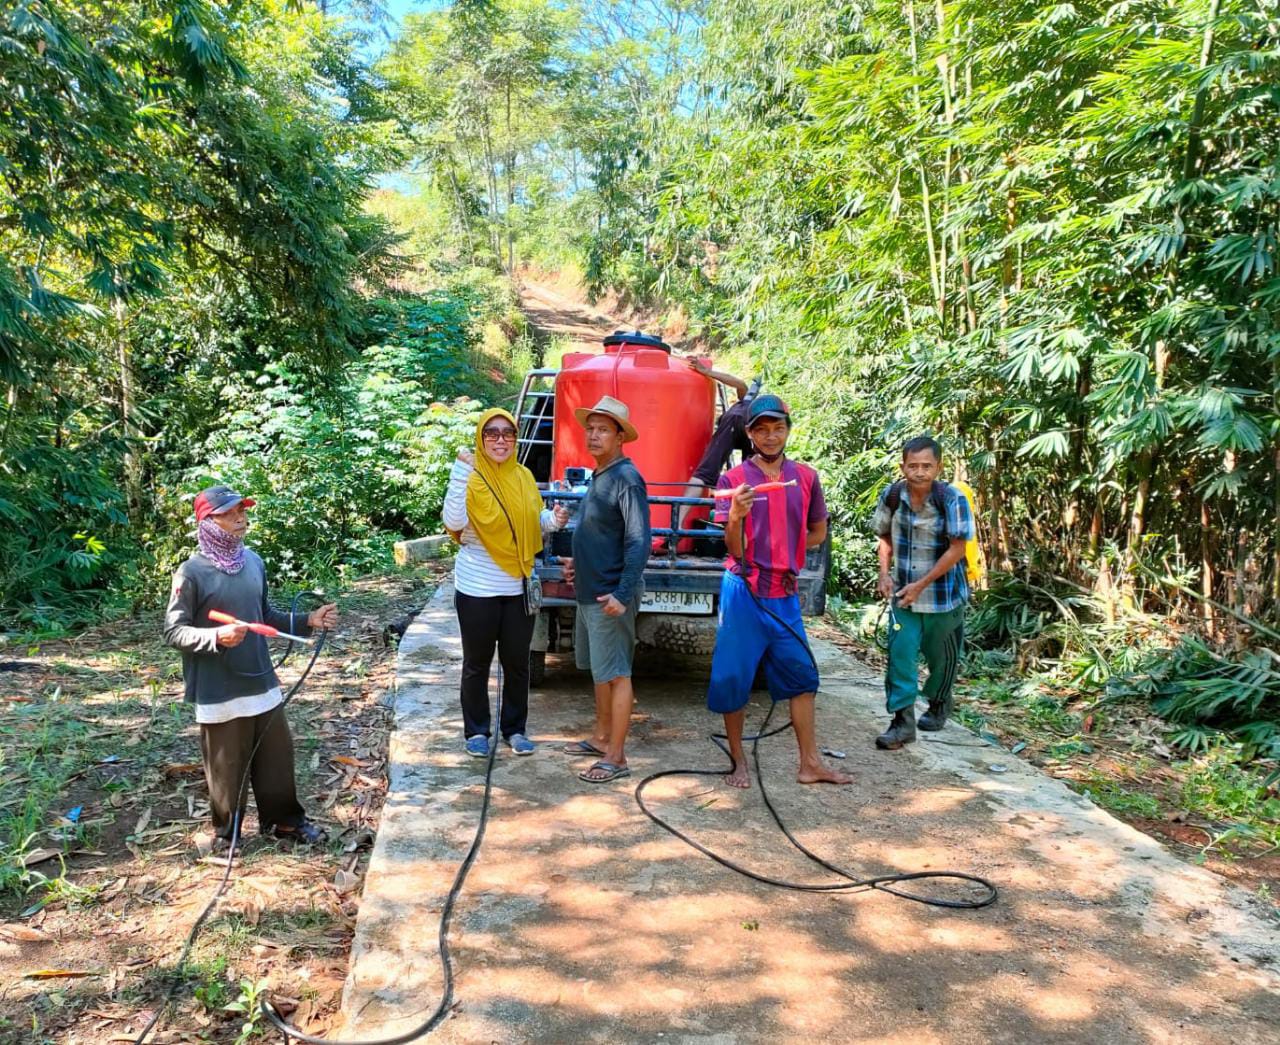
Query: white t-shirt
[238, 707]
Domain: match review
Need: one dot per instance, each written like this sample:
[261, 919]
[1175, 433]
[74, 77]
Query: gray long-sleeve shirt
[214, 673]
[611, 542]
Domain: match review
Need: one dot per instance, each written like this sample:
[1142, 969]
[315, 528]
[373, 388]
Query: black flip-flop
[614, 771]
[582, 747]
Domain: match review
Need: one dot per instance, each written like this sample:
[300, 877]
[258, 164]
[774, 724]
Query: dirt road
[555, 315]
[583, 922]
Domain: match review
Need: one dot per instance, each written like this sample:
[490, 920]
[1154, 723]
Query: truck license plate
[677, 602]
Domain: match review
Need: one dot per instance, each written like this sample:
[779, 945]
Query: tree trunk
[1275, 498]
[1006, 260]
[511, 189]
[491, 178]
[1202, 96]
[999, 528]
[10, 408]
[1138, 514]
[1146, 465]
[1241, 602]
[1095, 527]
[935, 280]
[463, 217]
[132, 458]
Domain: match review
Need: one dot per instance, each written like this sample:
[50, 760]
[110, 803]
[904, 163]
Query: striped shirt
[919, 542]
[777, 526]
[474, 571]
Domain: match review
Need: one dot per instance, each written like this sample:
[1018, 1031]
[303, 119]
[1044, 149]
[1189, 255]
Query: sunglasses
[506, 435]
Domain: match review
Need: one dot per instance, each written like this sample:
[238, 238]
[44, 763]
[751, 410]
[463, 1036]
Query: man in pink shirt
[767, 536]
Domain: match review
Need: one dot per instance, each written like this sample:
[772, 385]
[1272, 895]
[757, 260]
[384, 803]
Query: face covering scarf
[219, 547]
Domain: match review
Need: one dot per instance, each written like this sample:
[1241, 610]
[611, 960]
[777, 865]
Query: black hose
[446, 914]
[235, 822]
[288, 1031]
[885, 883]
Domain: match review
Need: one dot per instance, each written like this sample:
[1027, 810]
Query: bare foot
[739, 778]
[821, 774]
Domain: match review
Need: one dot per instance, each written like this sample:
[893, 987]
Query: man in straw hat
[610, 549]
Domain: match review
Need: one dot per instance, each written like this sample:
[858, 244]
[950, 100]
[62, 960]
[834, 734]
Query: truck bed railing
[675, 501]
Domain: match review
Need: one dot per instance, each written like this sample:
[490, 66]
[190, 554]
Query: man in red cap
[231, 682]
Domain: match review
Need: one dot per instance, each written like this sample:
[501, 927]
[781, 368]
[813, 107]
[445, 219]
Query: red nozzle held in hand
[265, 630]
[762, 488]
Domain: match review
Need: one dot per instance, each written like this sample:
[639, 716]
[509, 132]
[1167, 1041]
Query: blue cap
[768, 405]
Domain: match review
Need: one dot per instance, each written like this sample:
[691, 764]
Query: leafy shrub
[1204, 692]
[342, 472]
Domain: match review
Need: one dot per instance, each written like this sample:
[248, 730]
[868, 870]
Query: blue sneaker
[519, 744]
[478, 746]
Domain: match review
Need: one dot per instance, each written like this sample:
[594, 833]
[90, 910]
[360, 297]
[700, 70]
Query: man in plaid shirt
[922, 570]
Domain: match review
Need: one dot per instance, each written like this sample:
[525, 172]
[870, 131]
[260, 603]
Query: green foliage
[341, 472]
[1203, 691]
[1045, 233]
[1221, 789]
[185, 186]
[476, 86]
[211, 989]
[247, 1004]
[1111, 796]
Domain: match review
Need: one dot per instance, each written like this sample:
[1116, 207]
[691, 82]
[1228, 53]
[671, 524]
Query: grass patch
[53, 743]
[1107, 793]
[1219, 788]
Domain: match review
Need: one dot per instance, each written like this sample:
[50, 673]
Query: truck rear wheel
[695, 635]
[537, 667]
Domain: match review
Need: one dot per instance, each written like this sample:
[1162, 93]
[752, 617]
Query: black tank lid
[636, 337]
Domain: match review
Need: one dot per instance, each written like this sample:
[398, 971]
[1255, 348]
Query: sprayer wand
[266, 630]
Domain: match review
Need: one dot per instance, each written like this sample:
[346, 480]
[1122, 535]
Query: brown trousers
[226, 747]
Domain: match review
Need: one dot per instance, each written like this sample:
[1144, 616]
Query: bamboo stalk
[1206, 571]
[930, 240]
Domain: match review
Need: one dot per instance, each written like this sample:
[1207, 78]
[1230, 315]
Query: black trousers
[487, 622]
[226, 747]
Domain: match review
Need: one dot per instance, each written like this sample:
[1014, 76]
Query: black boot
[901, 731]
[936, 717]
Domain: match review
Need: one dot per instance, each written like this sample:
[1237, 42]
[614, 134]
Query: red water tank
[672, 407]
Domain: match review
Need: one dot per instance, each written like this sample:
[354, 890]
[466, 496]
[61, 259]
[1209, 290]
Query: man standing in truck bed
[730, 434]
[767, 536]
[610, 550]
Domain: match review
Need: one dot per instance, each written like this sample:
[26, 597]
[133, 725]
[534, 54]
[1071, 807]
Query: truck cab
[680, 607]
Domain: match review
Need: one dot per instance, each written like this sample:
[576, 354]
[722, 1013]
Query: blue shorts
[748, 636]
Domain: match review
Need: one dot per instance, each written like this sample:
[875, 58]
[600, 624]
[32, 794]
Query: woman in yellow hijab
[494, 511]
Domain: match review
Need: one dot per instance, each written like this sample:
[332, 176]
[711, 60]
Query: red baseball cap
[218, 499]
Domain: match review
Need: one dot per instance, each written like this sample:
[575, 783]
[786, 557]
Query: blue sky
[396, 9]
[399, 8]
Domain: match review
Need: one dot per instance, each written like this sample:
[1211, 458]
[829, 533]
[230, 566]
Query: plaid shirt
[918, 544]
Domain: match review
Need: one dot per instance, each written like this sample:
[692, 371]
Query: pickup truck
[679, 610]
